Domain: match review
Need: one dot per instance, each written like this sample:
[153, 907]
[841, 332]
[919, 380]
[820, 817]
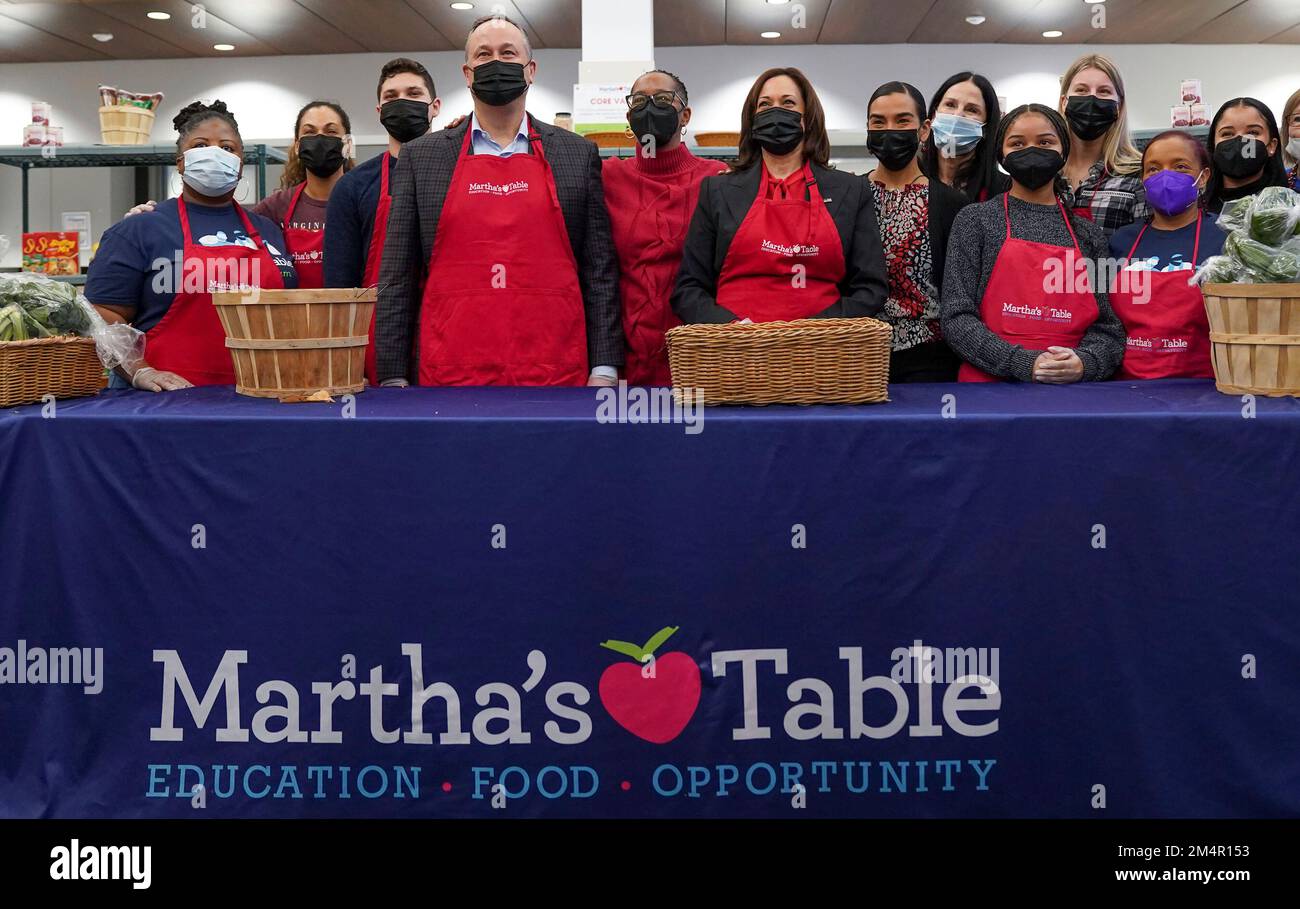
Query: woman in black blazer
[915, 216]
[781, 236]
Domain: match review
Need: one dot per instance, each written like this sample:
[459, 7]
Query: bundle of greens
[1274, 215]
[34, 306]
[1263, 244]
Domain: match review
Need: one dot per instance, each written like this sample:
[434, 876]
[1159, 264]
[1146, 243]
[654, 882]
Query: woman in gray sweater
[1021, 298]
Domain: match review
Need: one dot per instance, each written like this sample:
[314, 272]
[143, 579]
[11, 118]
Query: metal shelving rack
[119, 156]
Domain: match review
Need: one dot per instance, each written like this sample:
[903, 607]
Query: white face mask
[211, 170]
[1293, 148]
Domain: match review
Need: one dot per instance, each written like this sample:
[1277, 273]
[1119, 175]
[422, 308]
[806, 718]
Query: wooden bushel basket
[1255, 338]
[297, 342]
[808, 361]
[125, 125]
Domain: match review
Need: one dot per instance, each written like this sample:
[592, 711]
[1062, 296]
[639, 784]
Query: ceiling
[60, 30]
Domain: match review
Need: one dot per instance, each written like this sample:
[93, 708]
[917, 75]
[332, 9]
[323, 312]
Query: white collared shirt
[481, 143]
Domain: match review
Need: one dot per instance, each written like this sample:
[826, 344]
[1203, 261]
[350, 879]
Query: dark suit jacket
[420, 184]
[724, 202]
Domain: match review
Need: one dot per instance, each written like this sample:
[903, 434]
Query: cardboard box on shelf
[51, 253]
[1181, 116]
[1191, 92]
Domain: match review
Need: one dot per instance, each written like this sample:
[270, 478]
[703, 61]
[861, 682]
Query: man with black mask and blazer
[499, 268]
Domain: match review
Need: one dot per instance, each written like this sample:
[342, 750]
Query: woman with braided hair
[157, 270]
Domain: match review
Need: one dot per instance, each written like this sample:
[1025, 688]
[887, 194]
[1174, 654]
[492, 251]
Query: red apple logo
[655, 697]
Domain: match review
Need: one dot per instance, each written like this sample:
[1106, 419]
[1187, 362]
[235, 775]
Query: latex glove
[142, 208]
[1058, 366]
[147, 378]
[394, 383]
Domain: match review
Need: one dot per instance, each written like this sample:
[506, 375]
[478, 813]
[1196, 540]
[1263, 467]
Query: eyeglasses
[638, 100]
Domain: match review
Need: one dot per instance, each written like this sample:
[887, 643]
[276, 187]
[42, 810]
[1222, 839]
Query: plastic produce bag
[34, 306]
[1263, 242]
[1233, 215]
[1274, 215]
[1220, 270]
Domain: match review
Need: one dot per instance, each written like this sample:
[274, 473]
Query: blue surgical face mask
[954, 135]
[211, 170]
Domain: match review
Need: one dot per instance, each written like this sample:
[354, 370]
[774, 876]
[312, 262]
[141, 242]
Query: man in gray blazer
[499, 69]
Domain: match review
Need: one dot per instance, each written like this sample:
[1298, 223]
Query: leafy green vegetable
[1273, 215]
[1233, 215]
[1221, 270]
[49, 307]
[13, 325]
[1267, 264]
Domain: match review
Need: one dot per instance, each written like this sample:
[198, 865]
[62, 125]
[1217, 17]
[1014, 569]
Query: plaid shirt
[1114, 199]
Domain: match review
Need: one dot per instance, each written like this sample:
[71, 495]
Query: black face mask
[652, 120]
[498, 82]
[321, 155]
[1240, 157]
[894, 148]
[778, 130]
[1034, 168]
[405, 119]
[1091, 116]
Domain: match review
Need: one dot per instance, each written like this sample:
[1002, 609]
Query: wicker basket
[288, 343]
[717, 140]
[125, 125]
[65, 367]
[810, 361]
[1255, 338]
[612, 139]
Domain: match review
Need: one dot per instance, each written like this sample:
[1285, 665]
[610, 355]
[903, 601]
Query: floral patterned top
[913, 305]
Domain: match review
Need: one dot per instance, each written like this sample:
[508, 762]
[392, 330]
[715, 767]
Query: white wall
[266, 92]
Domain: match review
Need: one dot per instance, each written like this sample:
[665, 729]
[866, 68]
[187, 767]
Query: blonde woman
[1291, 136]
[1104, 169]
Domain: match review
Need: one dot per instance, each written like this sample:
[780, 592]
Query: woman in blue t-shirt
[1164, 314]
[158, 270]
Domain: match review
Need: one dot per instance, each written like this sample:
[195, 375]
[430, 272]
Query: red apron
[306, 247]
[189, 340]
[1169, 335]
[374, 255]
[1016, 306]
[778, 235]
[502, 304]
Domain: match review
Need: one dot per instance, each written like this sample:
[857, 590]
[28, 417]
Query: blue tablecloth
[972, 601]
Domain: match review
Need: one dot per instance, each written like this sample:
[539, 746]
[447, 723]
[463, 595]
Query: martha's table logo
[498, 189]
[794, 250]
[941, 695]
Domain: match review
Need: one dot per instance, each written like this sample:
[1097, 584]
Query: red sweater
[650, 202]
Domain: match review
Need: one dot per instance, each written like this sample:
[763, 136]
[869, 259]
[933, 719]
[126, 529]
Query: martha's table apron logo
[796, 250]
[498, 189]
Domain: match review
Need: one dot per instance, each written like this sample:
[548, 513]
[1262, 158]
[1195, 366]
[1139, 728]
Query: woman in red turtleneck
[651, 199]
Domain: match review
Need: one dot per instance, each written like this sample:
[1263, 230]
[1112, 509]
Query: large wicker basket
[1255, 338]
[287, 343]
[717, 140]
[612, 139]
[809, 361]
[125, 125]
[65, 367]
